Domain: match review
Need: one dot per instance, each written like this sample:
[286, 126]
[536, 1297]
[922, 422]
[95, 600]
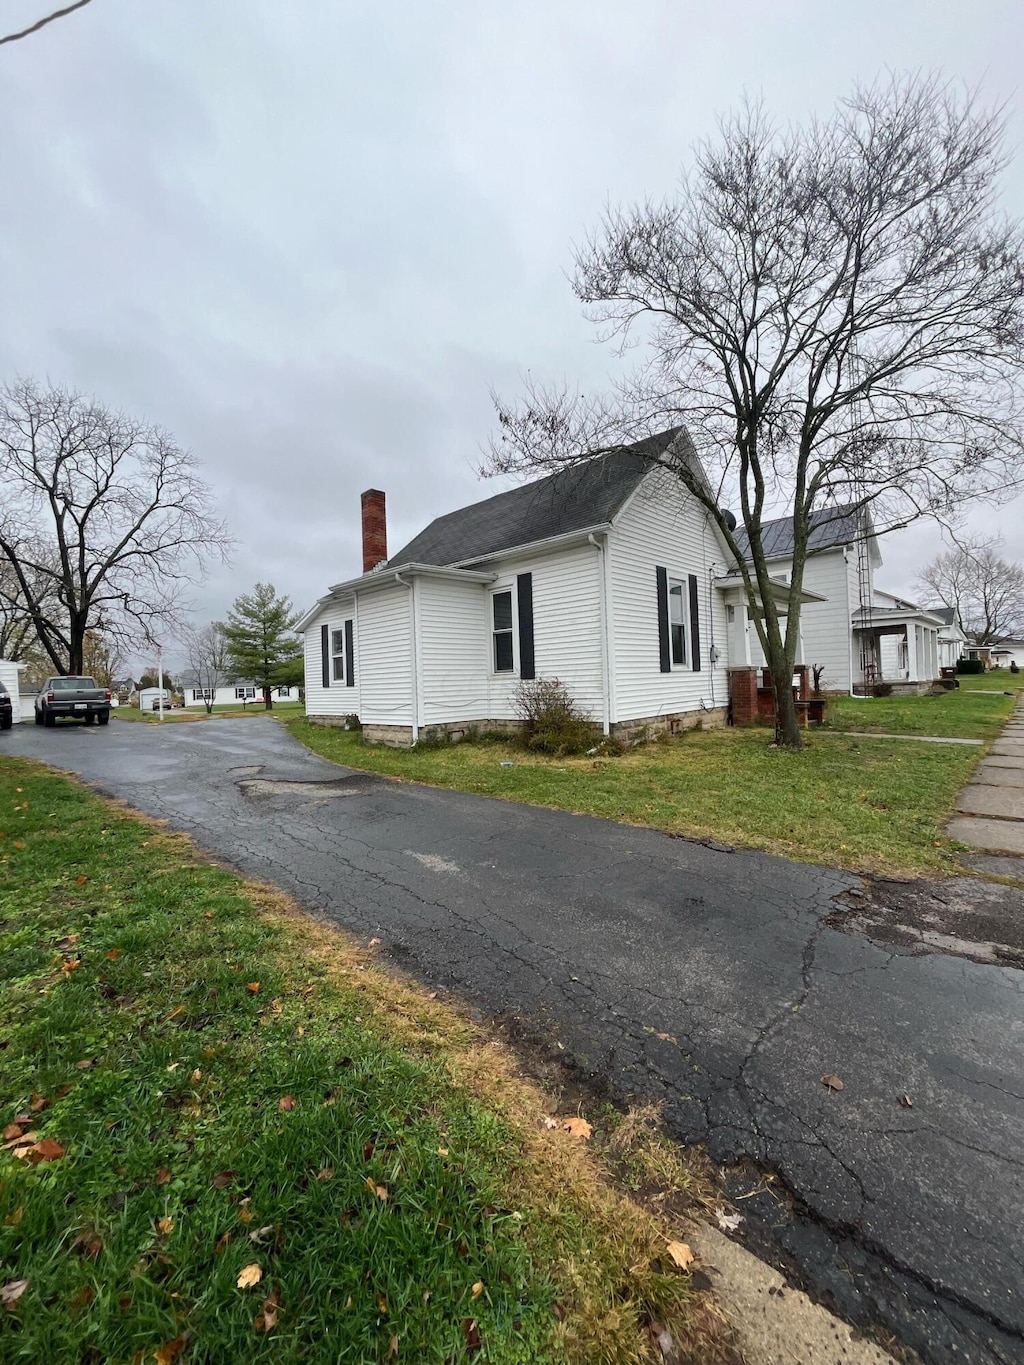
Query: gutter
[414, 662]
[540, 546]
[606, 631]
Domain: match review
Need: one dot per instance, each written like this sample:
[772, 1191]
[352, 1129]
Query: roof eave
[536, 546]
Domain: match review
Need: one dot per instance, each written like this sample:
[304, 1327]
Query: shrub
[882, 690]
[552, 721]
[970, 666]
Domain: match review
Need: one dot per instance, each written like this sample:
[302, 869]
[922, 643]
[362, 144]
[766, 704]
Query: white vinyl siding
[336, 700]
[825, 626]
[383, 658]
[454, 643]
[662, 526]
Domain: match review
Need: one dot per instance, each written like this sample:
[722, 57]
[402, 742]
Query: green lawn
[977, 710]
[228, 1137]
[867, 804]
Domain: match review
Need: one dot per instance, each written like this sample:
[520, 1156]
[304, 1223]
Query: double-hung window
[245, 693]
[677, 622]
[338, 655]
[502, 651]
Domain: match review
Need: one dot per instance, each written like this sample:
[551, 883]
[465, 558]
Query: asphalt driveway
[708, 979]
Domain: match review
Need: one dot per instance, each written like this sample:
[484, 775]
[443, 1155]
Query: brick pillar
[743, 695]
[375, 529]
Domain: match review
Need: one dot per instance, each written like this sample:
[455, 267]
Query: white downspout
[414, 674]
[602, 549]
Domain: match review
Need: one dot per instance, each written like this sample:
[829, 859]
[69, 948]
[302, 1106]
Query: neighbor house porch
[897, 647]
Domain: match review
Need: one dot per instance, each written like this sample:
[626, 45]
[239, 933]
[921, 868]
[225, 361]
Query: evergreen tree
[261, 645]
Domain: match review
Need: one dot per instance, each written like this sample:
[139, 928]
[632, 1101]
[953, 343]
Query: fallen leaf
[442, 1151]
[84, 1064]
[37, 1104]
[250, 1275]
[82, 1299]
[164, 1226]
[392, 1347]
[47, 1150]
[223, 1178]
[382, 1304]
[577, 1127]
[165, 1354]
[381, 1191]
[478, 1289]
[197, 1075]
[13, 1219]
[548, 1122]
[469, 1331]
[253, 987]
[287, 1102]
[259, 1235]
[163, 1176]
[728, 1222]
[680, 1254]
[222, 1242]
[114, 954]
[245, 1215]
[373, 943]
[207, 914]
[368, 1149]
[831, 1082]
[906, 1101]
[11, 1292]
[12, 1131]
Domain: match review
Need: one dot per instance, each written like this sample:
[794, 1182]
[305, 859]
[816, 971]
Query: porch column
[738, 634]
[912, 672]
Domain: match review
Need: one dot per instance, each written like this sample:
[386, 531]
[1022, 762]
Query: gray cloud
[307, 239]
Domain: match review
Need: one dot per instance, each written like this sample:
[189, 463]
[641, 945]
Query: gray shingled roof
[830, 526]
[947, 615]
[588, 494]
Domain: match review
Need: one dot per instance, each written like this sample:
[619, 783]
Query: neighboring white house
[952, 639]
[230, 694]
[608, 576]
[858, 634]
[1006, 652]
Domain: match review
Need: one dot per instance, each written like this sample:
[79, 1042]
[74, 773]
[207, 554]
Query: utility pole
[160, 680]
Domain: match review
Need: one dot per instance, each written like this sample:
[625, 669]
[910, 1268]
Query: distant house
[124, 688]
[230, 694]
[609, 576]
[952, 638]
[859, 634]
[1006, 652]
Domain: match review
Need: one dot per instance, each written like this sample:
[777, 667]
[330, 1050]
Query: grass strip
[229, 1137]
[862, 804]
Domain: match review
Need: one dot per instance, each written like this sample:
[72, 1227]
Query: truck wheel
[6, 722]
[37, 716]
[103, 717]
[49, 719]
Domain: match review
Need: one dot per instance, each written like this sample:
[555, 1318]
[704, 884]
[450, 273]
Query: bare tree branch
[41, 23]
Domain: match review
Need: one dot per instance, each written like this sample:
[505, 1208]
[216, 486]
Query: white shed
[9, 671]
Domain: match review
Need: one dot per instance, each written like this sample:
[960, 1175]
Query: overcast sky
[309, 238]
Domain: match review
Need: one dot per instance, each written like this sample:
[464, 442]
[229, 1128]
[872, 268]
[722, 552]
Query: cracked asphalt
[711, 980]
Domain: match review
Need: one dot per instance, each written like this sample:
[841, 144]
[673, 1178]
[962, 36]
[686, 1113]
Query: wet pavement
[723, 984]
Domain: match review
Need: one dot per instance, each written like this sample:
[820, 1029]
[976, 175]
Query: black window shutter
[694, 624]
[325, 654]
[350, 662]
[666, 655]
[524, 593]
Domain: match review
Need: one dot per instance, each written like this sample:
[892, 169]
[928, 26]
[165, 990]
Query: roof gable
[585, 495]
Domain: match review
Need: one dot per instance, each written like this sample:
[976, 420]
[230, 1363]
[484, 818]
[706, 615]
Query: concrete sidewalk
[991, 807]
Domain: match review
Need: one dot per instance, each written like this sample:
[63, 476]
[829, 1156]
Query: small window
[677, 620]
[338, 655]
[501, 610]
[284, 692]
[245, 693]
[202, 694]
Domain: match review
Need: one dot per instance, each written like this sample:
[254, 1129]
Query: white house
[608, 576]
[9, 679]
[230, 694]
[1006, 652]
[857, 634]
[952, 639]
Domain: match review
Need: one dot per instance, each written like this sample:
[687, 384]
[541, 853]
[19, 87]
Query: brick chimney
[375, 529]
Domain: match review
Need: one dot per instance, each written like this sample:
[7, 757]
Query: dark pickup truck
[72, 697]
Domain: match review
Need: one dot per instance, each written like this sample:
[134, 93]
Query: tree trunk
[787, 729]
[268, 700]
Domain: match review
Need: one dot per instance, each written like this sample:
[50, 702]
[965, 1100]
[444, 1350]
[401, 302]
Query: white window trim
[683, 582]
[493, 592]
[337, 655]
[245, 694]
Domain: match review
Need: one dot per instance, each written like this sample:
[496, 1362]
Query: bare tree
[986, 589]
[41, 23]
[103, 521]
[834, 313]
[101, 658]
[206, 653]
